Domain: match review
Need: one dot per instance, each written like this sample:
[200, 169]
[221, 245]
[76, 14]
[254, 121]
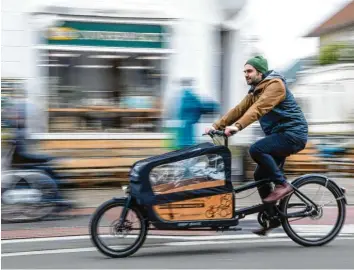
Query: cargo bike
[191, 189]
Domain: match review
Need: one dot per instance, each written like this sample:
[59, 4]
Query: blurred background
[97, 85]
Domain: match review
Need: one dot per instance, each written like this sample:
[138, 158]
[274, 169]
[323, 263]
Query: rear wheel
[24, 196]
[114, 239]
[320, 226]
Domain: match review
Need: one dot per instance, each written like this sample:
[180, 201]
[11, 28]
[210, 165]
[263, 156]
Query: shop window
[103, 92]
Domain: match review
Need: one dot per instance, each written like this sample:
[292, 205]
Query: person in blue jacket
[191, 108]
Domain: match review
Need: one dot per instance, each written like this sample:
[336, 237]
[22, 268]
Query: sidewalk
[93, 197]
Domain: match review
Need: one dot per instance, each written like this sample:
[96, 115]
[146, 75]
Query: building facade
[108, 66]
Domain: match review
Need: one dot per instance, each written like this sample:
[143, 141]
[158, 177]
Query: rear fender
[339, 189]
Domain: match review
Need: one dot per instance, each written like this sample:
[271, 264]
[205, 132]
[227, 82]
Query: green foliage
[330, 54]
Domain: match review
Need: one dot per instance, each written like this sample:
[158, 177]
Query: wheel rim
[116, 238]
[321, 224]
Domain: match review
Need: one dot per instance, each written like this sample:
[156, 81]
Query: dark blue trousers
[270, 153]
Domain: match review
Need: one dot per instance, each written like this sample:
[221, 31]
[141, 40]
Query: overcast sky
[280, 25]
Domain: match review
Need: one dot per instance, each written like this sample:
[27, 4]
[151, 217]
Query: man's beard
[253, 82]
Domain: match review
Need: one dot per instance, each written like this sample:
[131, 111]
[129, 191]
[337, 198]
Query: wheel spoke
[115, 238]
[323, 223]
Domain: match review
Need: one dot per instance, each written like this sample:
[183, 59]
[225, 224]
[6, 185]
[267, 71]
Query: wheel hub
[317, 214]
[122, 229]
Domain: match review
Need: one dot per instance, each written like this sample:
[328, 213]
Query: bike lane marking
[190, 243]
[346, 230]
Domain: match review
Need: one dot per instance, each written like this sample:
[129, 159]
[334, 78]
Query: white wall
[15, 39]
[329, 94]
[195, 46]
[237, 87]
[343, 35]
[18, 57]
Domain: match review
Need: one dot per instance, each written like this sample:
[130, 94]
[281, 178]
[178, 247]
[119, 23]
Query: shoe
[273, 223]
[278, 193]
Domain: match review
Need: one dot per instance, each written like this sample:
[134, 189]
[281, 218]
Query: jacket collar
[255, 88]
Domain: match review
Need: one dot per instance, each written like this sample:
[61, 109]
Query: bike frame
[224, 224]
[221, 223]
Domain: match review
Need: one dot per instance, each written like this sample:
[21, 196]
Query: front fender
[340, 190]
[119, 199]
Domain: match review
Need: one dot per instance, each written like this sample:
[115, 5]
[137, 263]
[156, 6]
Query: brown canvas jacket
[265, 96]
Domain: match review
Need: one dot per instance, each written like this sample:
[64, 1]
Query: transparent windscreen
[189, 174]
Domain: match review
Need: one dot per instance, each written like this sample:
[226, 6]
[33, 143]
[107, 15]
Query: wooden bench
[310, 161]
[100, 162]
[343, 164]
[97, 162]
[306, 161]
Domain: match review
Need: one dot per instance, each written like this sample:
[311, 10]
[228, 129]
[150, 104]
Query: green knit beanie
[259, 63]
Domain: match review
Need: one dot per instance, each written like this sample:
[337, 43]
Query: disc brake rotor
[121, 230]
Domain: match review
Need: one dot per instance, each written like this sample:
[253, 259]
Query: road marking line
[192, 243]
[46, 252]
[304, 230]
[347, 229]
[44, 239]
[84, 237]
[177, 237]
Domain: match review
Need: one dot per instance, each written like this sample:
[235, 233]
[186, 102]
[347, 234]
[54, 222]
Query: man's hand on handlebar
[209, 130]
[229, 131]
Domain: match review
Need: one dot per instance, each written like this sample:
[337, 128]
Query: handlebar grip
[215, 132]
[218, 132]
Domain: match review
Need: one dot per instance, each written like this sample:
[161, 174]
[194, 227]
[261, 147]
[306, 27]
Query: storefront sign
[107, 35]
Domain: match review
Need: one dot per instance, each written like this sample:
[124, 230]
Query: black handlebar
[212, 132]
[221, 133]
[215, 132]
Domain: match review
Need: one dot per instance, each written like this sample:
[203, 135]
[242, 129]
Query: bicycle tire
[93, 227]
[339, 222]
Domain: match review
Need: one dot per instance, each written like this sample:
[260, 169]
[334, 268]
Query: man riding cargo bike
[191, 188]
[270, 101]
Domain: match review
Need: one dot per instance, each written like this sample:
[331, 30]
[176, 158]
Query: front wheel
[115, 239]
[310, 226]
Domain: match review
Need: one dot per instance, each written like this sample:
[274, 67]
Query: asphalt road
[232, 251]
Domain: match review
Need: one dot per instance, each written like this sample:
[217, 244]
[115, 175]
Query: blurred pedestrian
[191, 108]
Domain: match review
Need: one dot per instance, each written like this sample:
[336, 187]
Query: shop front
[104, 76]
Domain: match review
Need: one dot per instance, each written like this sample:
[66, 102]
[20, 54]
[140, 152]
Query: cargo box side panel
[216, 207]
